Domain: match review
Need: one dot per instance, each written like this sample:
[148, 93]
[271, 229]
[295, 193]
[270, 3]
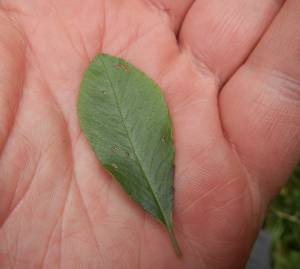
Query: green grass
[283, 222]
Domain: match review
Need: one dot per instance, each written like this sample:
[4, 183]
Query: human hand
[235, 148]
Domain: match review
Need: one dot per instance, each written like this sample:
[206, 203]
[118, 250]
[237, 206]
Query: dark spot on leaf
[126, 68]
[99, 64]
[171, 173]
[114, 166]
[172, 190]
[114, 148]
[119, 65]
[114, 66]
[103, 92]
[164, 138]
[127, 154]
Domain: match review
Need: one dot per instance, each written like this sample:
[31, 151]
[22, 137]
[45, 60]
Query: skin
[230, 73]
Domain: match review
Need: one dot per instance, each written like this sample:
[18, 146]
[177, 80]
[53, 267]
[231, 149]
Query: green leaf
[124, 117]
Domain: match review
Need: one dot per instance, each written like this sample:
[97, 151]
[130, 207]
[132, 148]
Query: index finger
[220, 34]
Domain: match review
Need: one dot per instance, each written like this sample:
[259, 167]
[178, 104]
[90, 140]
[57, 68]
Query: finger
[221, 34]
[260, 105]
[173, 10]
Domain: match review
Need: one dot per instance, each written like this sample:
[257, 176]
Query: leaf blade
[125, 118]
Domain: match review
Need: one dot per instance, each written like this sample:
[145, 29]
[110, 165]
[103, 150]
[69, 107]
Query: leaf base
[174, 243]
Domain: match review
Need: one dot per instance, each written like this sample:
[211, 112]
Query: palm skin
[235, 148]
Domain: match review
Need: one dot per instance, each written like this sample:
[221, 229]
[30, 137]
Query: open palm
[234, 148]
